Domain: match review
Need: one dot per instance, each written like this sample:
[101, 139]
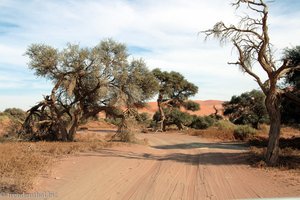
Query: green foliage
[191, 105]
[14, 117]
[4, 117]
[156, 117]
[202, 122]
[143, 117]
[290, 110]
[224, 125]
[86, 81]
[114, 121]
[248, 108]
[216, 117]
[174, 91]
[242, 132]
[293, 77]
[16, 113]
[174, 117]
[173, 85]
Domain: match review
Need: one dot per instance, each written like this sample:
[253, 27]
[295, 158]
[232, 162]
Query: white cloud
[12, 55]
[24, 102]
[167, 30]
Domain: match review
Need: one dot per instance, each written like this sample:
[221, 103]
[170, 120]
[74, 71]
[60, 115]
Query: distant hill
[206, 107]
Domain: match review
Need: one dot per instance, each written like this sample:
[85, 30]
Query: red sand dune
[206, 107]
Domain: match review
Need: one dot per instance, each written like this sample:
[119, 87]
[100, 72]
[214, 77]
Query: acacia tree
[86, 81]
[290, 108]
[251, 40]
[247, 108]
[174, 91]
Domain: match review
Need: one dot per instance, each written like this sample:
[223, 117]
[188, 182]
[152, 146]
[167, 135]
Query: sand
[172, 166]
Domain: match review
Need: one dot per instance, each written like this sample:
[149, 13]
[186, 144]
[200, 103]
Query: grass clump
[21, 162]
[243, 132]
[225, 125]
[202, 122]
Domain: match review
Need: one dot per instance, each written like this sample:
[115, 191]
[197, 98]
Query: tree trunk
[63, 132]
[162, 114]
[72, 131]
[256, 124]
[164, 125]
[272, 104]
[179, 126]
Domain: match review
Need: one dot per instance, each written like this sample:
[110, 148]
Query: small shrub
[10, 124]
[216, 116]
[21, 162]
[127, 136]
[143, 117]
[113, 121]
[191, 105]
[225, 125]
[174, 117]
[243, 132]
[202, 122]
[15, 113]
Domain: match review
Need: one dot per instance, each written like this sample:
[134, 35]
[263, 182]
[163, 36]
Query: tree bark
[273, 107]
[162, 113]
[179, 126]
[256, 124]
[72, 131]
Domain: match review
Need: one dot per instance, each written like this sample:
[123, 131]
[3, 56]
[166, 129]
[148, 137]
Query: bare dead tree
[252, 41]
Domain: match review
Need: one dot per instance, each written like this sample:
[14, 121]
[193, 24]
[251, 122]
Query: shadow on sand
[194, 145]
[195, 158]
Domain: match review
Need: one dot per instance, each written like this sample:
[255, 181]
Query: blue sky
[163, 33]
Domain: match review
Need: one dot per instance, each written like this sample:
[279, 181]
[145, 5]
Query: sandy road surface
[173, 166]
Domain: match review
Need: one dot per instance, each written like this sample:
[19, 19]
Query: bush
[202, 122]
[113, 121]
[143, 117]
[225, 125]
[243, 132]
[191, 105]
[178, 117]
[16, 113]
[175, 117]
[11, 120]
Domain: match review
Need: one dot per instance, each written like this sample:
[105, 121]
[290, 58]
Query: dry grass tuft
[289, 158]
[21, 162]
[214, 133]
[5, 123]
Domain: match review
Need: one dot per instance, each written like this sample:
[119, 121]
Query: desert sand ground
[172, 166]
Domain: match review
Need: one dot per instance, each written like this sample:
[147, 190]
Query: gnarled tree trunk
[273, 107]
[162, 113]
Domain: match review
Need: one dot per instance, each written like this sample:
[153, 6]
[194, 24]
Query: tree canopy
[174, 91]
[86, 81]
[247, 108]
[290, 108]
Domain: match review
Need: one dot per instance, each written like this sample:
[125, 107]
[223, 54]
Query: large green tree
[251, 39]
[290, 107]
[247, 108]
[174, 91]
[86, 81]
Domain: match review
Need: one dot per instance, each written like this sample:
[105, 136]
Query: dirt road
[173, 166]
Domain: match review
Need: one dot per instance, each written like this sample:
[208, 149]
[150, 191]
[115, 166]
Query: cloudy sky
[163, 33]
